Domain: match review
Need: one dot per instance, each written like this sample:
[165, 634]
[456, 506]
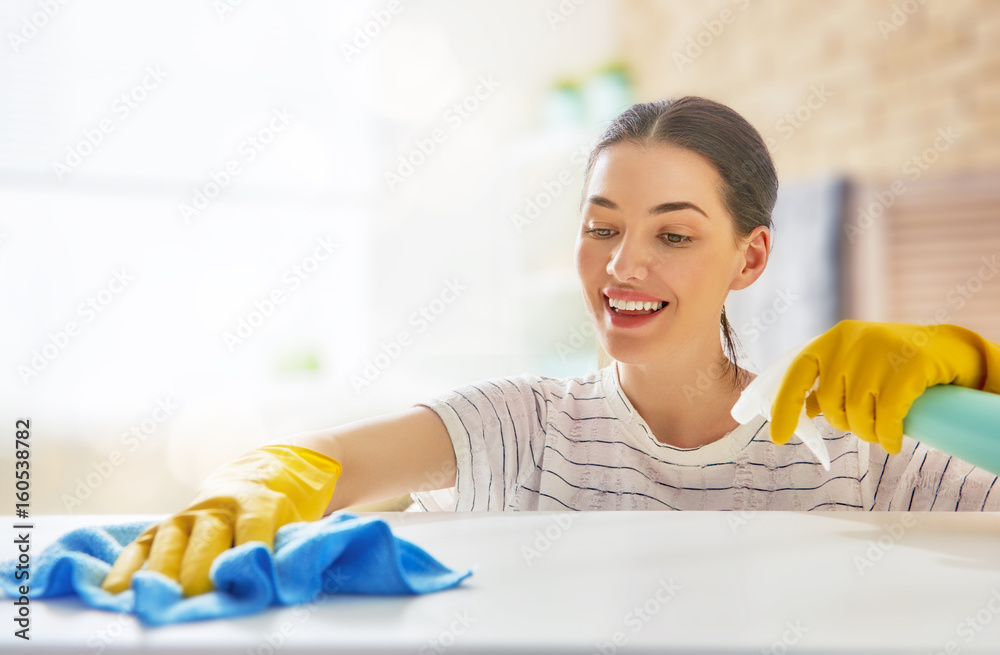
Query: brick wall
[882, 76]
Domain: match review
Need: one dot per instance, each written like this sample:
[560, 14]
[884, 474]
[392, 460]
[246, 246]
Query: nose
[629, 260]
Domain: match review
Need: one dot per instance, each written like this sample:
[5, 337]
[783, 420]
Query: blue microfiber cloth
[342, 553]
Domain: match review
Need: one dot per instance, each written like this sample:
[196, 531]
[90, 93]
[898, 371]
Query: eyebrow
[662, 208]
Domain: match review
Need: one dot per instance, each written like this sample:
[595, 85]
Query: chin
[635, 353]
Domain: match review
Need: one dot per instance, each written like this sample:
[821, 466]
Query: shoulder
[560, 400]
[583, 387]
[527, 388]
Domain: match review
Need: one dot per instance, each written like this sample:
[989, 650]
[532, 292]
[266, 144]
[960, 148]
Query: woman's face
[655, 230]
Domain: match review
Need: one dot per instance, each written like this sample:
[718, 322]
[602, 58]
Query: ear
[754, 251]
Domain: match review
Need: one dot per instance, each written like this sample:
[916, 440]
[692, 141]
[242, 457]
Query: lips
[629, 294]
[633, 318]
[626, 302]
[635, 305]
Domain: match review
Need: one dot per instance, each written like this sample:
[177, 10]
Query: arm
[869, 374]
[250, 498]
[386, 456]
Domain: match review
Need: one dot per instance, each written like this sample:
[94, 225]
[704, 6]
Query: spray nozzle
[756, 400]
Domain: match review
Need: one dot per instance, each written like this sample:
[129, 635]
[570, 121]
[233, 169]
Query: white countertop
[612, 582]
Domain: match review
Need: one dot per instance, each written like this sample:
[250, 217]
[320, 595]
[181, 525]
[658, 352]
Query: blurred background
[225, 222]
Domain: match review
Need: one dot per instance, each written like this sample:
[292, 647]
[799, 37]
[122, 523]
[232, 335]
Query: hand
[246, 500]
[870, 374]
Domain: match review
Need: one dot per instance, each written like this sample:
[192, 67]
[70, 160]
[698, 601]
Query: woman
[676, 213]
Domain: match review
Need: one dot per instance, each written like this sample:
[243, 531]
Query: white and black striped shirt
[539, 443]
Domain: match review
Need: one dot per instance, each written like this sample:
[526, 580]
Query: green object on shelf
[606, 94]
[959, 421]
[296, 362]
[563, 105]
[617, 67]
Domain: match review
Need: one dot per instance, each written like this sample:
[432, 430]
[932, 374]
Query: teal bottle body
[959, 421]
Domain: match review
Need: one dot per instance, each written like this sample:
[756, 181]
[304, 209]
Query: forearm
[386, 457]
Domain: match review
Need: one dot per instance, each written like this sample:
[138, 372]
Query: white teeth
[632, 305]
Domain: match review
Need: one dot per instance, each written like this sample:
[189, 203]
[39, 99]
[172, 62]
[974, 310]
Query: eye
[676, 239]
[600, 232]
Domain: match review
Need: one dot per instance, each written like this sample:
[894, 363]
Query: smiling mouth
[634, 307]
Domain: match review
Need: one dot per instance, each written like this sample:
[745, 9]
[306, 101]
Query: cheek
[589, 260]
[707, 277]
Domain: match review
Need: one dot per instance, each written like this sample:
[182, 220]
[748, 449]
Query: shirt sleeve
[496, 429]
[921, 478]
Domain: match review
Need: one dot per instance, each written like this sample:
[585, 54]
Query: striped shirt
[538, 443]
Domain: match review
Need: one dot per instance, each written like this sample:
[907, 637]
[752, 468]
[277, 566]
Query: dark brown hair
[749, 183]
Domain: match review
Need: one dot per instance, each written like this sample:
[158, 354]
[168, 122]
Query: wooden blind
[925, 251]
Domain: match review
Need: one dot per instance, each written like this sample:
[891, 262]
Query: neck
[685, 399]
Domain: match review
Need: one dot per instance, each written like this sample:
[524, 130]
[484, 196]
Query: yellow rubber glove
[870, 374]
[245, 500]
